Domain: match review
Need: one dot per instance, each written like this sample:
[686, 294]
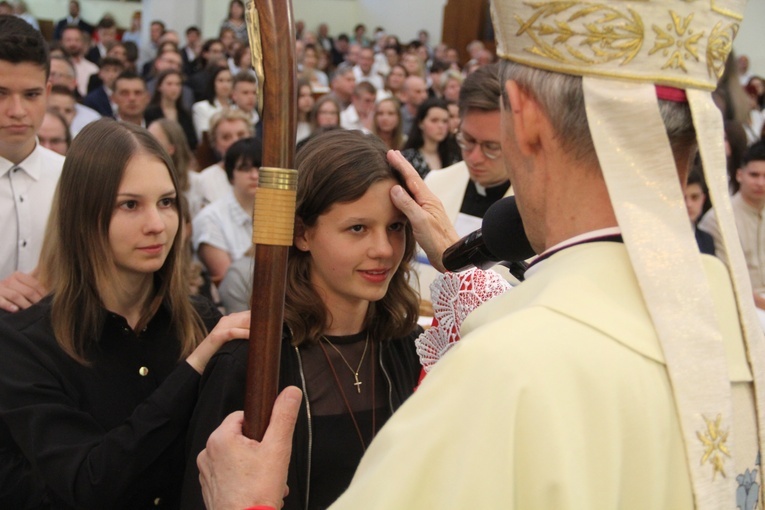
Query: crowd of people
[161, 150]
[128, 176]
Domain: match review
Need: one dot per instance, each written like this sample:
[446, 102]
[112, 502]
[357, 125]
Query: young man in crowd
[131, 98]
[100, 99]
[28, 172]
[360, 114]
[244, 95]
[748, 205]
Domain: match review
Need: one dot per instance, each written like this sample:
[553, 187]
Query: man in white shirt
[360, 114]
[244, 95]
[365, 69]
[28, 172]
[73, 43]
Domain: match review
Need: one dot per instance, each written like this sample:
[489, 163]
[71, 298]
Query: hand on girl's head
[431, 226]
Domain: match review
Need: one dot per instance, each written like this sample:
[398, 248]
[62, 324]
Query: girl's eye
[129, 204]
[397, 227]
[167, 202]
[357, 228]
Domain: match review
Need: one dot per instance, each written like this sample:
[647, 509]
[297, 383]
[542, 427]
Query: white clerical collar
[578, 239]
[593, 234]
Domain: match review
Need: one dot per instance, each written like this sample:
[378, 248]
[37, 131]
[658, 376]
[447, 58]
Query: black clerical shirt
[476, 204]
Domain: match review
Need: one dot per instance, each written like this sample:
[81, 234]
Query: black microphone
[500, 238]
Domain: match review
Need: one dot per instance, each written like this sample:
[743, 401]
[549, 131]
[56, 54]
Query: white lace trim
[454, 296]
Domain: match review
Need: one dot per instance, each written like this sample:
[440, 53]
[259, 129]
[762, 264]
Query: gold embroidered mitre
[681, 43]
[622, 49]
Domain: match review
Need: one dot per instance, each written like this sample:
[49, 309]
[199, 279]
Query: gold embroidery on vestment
[680, 36]
[719, 46]
[714, 440]
[612, 35]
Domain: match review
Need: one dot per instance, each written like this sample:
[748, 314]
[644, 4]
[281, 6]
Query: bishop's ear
[527, 117]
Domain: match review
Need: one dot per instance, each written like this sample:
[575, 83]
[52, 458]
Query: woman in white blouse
[218, 99]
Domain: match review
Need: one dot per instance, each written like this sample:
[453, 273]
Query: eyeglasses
[492, 150]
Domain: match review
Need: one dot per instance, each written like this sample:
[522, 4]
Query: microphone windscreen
[503, 232]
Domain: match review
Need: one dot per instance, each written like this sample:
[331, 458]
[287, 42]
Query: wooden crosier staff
[272, 36]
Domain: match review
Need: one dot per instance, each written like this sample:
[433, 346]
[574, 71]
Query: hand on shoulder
[20, 291]
[235, 325]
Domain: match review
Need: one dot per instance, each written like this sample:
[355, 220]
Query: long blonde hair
[182, 157]
[83, 265]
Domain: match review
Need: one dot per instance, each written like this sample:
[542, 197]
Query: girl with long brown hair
[350, 321]
[167, 103]
[97, 388]
[429, 145]
[387, 123]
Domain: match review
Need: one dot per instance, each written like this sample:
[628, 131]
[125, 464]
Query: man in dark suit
[191, 51]
[107, 35]
[72, 19]
[100, 98]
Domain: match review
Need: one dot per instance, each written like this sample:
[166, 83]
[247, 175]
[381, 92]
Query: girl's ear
[300, 241]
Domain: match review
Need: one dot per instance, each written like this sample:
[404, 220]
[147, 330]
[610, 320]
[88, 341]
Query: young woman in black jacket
[350, 321]
[99, 380]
